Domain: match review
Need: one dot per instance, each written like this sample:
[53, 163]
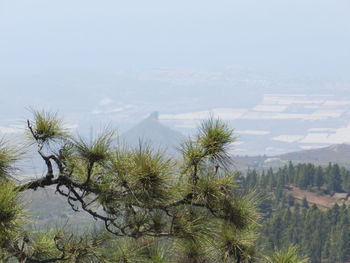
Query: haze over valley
[271, 114]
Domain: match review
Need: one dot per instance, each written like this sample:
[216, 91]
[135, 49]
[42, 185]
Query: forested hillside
[322, 234]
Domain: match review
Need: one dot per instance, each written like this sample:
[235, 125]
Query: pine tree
[155, 208]
[304, 203]
[288, 255]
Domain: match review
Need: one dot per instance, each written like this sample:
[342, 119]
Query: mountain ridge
[152, 131]
[332, 153]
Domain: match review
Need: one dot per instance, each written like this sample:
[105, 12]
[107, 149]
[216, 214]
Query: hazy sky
[73, 56]
[299, 37]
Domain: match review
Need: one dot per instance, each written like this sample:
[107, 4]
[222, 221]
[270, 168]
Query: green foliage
[47, 127]
[97, 150]
[8, 156]
[192, 153]
[48, 245]
[11, 212]
[237, 245]
[215, 138]
[127, 250]
[151, 174]
[288, 255]
[145, 250]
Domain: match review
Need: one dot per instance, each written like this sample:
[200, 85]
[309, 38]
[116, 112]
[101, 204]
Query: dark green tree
[304, 203]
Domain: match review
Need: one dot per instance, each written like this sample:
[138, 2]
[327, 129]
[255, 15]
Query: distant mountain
[151, 131]
[338, 153]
